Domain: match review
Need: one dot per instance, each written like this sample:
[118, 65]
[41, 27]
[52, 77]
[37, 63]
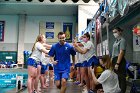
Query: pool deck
[12, 70]
[71, 87]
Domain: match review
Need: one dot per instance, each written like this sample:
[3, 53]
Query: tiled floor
[71, 88]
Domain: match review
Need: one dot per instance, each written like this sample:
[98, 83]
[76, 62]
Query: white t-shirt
[89, 45]
[36, 54]
[109, 81]
[80, 58]
[45, 60]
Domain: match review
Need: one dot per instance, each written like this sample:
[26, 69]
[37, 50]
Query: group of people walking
[112, 79]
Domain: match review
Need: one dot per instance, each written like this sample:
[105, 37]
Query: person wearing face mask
[60, 56]
[88, 51]
[118, 59]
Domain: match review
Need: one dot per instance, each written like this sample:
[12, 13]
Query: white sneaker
[70, 80]
[84, 90]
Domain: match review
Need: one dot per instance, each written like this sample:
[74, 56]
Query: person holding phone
[108, 79]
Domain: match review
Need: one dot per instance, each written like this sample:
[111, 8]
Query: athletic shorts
[78, 65]
[50, 66]
[60, 75]
[71, 64]
[93, 61]
[31, 62]
[43, 68]
[39, 63]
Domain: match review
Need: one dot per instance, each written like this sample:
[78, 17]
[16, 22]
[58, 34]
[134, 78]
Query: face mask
[84, 39]
[116, 35]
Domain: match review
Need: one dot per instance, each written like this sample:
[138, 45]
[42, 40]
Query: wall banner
[50, 30]
[49, 35]
[67, 29]
[2, 25]
[49, 25]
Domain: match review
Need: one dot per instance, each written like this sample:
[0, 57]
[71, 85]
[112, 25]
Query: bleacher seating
[8, 64]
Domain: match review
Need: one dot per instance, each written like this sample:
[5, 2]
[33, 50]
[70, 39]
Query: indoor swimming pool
[12, 79]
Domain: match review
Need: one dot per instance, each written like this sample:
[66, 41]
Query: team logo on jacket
[66, 48]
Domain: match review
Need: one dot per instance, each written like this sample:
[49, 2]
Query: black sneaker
[34, 91]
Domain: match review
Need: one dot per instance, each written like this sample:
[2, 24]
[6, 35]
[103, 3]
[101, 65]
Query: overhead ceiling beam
[89, 2]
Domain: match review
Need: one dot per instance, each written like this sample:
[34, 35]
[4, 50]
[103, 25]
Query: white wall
[10, 33]
[31, 32]
[85, 12]
[32, 25]
[11, 28]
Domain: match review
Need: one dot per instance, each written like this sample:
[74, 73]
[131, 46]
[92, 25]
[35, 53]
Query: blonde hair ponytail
[38, 39]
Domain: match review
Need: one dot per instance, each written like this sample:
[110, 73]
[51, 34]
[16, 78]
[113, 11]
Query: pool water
[8, 80]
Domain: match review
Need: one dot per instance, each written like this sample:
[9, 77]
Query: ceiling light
[63, 1]
[75, 1]
[41, 0]
[86, 1]
[97, 1]
[52, 0]
[29, 0]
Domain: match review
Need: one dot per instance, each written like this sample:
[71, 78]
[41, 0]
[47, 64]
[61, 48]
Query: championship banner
[50, 25]
[49, 35]
[2, 24]
[50, 30]
[67, 29]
